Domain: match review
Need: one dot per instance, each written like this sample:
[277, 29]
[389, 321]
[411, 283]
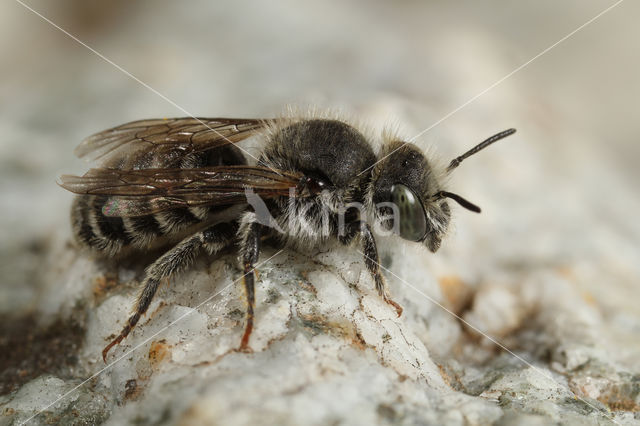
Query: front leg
[249, 232]
[371, 259]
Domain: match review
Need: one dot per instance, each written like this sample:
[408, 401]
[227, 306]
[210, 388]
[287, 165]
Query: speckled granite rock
[327, 349]
[549, 270]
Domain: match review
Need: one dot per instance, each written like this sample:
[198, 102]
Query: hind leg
[212, 239]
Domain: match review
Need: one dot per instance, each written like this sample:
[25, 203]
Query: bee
[185, 183]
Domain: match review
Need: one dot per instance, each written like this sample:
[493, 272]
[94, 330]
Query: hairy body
[180, 182]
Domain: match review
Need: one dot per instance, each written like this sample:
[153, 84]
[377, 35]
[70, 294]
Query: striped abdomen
[112, 234]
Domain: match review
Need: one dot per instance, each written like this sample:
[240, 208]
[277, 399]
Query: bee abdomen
[95, 230]
[111, 234]
[143, 230]
[176, 220]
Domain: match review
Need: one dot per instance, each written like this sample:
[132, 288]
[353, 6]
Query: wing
[124, 146]
[142, 192]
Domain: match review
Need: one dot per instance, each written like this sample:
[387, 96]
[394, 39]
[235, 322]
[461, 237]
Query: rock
[321, 331]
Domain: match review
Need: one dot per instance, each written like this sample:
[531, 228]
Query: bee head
[407, 195]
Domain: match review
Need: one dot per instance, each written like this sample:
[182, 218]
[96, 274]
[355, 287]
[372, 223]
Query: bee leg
[250, 232]
[371, 259]
[212, 239]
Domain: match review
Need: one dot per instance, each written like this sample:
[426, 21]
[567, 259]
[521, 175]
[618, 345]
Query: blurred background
[563, 191]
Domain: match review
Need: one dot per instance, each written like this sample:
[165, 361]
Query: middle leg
[250, 232]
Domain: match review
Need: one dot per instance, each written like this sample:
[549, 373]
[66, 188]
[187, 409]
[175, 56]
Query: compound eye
[412, 221]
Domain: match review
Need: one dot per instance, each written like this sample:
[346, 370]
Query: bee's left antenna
[482, 145]
[458, 199]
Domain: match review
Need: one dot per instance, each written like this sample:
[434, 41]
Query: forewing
[166, 140]
[142, 192]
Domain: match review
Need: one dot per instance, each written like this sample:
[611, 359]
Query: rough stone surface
[527, 315]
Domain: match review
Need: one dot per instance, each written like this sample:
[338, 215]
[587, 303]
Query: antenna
[458, 199]
[482, 145]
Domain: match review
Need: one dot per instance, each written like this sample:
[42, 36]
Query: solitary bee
[184, 182]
